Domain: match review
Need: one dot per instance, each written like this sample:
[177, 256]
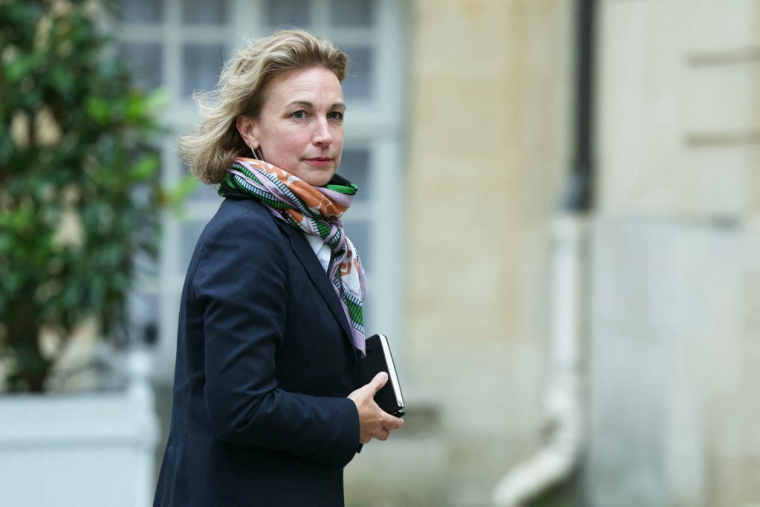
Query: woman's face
[300, 128]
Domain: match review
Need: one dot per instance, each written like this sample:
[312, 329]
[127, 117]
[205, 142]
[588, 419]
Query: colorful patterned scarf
[315, 211]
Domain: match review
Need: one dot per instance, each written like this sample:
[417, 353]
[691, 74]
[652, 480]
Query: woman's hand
[373, 422]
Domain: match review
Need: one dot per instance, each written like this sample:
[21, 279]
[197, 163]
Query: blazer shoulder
[239, 225]
[247, 219]
[232, 209]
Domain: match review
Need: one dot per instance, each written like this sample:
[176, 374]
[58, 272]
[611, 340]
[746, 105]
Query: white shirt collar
[321, 249]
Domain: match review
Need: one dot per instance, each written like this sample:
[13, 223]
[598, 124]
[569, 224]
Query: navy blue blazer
[264, 364]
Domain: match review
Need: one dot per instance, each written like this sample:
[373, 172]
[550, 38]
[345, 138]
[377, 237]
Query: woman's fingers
[387, 423]
[378, 382]
[383, 434]
[373, 421]
[366, 393]
[392, 423]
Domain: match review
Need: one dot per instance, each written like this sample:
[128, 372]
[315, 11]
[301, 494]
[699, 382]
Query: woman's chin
[316, 177]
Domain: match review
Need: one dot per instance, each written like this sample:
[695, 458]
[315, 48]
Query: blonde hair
[242, 90]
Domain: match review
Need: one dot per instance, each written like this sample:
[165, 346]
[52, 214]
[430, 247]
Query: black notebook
[379, 358]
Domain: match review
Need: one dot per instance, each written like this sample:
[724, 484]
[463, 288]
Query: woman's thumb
[379, 381]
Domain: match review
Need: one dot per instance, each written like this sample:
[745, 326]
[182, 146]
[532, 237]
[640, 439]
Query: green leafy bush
[79, 182]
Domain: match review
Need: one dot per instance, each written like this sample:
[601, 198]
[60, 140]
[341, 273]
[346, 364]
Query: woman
[266, 410]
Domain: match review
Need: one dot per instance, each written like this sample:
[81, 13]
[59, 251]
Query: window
[181, 45]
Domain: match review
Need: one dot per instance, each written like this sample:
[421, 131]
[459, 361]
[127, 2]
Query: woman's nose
[322, 134]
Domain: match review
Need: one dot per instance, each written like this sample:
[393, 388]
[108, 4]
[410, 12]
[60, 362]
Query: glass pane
[204, 12]
[146, 59]
[188, 237]
[352, 12]
[201, 66]
[369, 322]
[202, 192]
[143, 311]
[358, 233]
[205, 193]
[354, 166]
[145, 265]
[282, 13]
[358, 82]
[135, 12]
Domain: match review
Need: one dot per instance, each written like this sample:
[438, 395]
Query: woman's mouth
[319, 161]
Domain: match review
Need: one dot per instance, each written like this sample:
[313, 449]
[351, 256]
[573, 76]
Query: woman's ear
[245, 127]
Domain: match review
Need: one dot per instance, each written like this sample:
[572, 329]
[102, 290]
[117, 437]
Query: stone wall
[675, 352]
[487, 153]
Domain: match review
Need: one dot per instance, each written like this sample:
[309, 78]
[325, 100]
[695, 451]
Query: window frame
[378, 125]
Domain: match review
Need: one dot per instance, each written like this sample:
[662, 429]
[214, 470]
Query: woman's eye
[335, 115]
[299, 115]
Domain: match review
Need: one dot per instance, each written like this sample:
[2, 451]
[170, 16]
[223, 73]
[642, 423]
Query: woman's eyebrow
[302, 103]
[307, 104]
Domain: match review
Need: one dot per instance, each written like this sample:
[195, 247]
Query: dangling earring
[258, 154]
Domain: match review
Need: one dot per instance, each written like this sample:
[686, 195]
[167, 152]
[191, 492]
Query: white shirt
[321, 249]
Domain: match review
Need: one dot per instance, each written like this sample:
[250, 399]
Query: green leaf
[134, 108]
[176, 195]
[145, 168]
[18, 68]
[92, 172]
[98, 109]
[157, 99]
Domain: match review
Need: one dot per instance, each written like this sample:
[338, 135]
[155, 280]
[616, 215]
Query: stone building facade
[463, 122]
[671, 348]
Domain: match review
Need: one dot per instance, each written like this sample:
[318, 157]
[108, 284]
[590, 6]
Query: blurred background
[558, 214]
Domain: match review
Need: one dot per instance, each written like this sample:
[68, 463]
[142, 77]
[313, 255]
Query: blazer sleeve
[241, 282]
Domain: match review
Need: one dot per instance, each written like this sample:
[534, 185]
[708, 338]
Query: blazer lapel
[319, 278]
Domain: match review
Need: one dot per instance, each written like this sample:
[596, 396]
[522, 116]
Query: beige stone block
[737, 482]
[753, 186]
[480, 386]
[675, 137]
[717, 181]
[720, 25]
[463, 120]
[623, 121]
[488, 151]
[465, 300]
[673, 309]
[720, 99]
[407, 470]
[476, 464]
[466, 37]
